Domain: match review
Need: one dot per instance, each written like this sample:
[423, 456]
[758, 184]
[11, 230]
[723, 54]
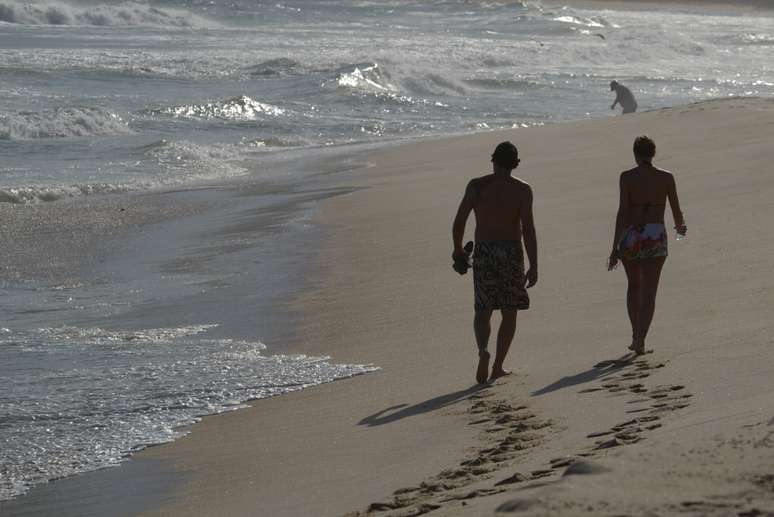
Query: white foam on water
[79, 399]
[186, 162]
[367, 78]
[236, 109]
[592, 21]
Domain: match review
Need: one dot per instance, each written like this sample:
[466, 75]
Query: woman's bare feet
[497, 372]
[483, 367]
[637, 346]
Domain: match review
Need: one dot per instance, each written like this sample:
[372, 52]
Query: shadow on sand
[598, 371]
[394, 413]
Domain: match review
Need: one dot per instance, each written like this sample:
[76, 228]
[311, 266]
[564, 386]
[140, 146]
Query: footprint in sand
[507, 430]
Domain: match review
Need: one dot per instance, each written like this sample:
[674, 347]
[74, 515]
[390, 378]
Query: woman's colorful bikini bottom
[643, 241]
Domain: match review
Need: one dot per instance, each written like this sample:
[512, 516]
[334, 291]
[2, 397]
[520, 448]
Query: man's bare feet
[483, 367]
[498, 372]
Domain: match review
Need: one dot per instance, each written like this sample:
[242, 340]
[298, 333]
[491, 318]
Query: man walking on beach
[624, 97]
[503, 210]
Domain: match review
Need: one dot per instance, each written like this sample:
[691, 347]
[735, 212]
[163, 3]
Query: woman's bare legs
[643, 276]
[633, 297]
[651, 274]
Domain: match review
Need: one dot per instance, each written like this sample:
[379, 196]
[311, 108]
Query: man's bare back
[497, 203]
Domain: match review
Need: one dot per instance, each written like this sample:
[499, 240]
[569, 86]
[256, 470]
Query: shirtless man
[503, 210]
[624, 97]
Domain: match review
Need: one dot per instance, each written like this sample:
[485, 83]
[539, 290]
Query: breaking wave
[274, 67]
[126, 14]
[241, 108]
[595, 22]
[367, 78]
[29, 195]
[61, 123]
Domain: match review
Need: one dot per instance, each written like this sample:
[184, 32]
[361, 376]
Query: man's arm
[458, 227]
[616, 101]
[530, 237]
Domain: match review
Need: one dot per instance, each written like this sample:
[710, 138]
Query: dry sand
[688, 429]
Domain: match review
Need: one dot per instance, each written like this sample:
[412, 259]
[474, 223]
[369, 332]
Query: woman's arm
[622, 218]
[674, 203]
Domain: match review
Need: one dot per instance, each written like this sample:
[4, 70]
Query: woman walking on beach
[640, 239]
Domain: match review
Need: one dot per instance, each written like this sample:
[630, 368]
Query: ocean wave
[494, 83]
[434, 84]
[757, 39]
[275, 141]
[596, 22]
[185, 162]
[238, 109]
[373, 81]
[177, 163]
[61, 123]
[367, 78]
[125, 14]
[38, 194]
[274, 67]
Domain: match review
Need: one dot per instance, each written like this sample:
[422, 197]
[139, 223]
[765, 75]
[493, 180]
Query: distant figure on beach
[624, 97]
[503, 210]
[640, 238]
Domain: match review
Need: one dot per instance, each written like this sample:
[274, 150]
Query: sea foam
[235, 109]
[84, 398]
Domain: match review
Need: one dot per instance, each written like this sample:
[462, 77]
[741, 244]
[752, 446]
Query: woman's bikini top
[646, 206]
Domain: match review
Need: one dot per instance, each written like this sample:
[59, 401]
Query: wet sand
[688, 428]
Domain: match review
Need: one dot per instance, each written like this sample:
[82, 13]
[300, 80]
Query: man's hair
[506, 155]
[613, 84]
[644, 148]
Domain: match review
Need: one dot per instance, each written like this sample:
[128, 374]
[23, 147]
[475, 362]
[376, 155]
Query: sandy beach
[686, 429]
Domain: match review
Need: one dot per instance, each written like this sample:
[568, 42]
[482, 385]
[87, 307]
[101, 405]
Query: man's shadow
[598, 371]
[394, 413]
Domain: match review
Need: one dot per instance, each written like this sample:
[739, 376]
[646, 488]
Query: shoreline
[156, 241]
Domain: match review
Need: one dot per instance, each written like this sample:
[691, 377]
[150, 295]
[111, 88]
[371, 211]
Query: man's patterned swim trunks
[498, 276]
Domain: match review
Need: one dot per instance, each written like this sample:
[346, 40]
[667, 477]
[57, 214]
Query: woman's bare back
[645, 190]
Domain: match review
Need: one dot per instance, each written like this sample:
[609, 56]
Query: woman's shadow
[394, 413]
[598, 371]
